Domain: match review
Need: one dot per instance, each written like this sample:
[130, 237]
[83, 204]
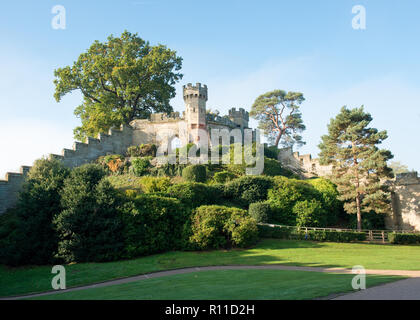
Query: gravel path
[411, 286]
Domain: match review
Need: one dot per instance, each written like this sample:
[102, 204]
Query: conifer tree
[359, 166]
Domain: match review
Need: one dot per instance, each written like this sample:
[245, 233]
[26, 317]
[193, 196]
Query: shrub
[153, 224]
[404, 238]
[140, 166]
[370, 221]
[248, 189]
[193, 194]
[114, 162]
[195, 173]
[28, 236]
[144, 150]
[260, 211]
[155, 184]
[309, 213]
[125, 182]
[273, 168]
[215, 227]
[283, 196]
[224, 176]
[90, 227]
[329, 196]
[271, 152]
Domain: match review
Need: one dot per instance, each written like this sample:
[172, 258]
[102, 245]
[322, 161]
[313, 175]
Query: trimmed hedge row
[404, 238]
[314, 235]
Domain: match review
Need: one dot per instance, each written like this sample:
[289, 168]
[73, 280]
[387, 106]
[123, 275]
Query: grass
[227, 285]
[15, 281]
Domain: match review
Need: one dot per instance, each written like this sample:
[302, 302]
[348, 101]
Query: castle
[160, 128]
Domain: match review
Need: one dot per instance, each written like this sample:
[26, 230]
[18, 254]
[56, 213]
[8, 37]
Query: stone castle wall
[116, 141]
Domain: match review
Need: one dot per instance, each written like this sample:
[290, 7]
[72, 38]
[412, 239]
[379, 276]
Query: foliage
[90, 226]
[28, 236]
[152, 224]
[195, 173]
[140, 166]
[193, 194]
[125, 181]
[371, 221]
[279, 116]
[122, 79]
[330, 202]
[404, 238]
[359, 165]
[215, 227]
[260, 211]
[155, 184]
[309, 213]
[313, 235]
[114, 162]
[398, 168]
[274, 168]
[143, 150]
[224, 176]
[248, 189]
[271, 152]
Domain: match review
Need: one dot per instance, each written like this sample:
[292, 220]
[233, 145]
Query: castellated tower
[195, 98]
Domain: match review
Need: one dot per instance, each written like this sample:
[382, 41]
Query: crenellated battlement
[241, 113]
[163, 117]
[195, 92]
[407, 178]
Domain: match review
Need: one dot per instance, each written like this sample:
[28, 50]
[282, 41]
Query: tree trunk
[359, 212]
[277, 140]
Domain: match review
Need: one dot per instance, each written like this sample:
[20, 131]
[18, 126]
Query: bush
[224, 176]
[284, 195]
[155, 184]
[276, 232]
[370, 221]
[329, 195]
[193, 194]
[309, 213]
[195, 173]
[215, 227]
[260, 211]
[28, 236]
[90, 226]
[404, 238]
[144, 150]
[114, 162]
[271, 152]
[153, 224]
[273, 168]
[248, 189]
[140, 166]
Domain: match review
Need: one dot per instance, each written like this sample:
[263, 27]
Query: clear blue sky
[240, 49]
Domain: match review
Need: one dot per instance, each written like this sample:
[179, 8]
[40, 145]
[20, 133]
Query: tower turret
[195, 98]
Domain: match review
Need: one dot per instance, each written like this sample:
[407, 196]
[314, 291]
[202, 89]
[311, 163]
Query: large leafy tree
[122, 79]
[359, 166]
[279, 116]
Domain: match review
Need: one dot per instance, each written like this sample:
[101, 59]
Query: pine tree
[359, 166]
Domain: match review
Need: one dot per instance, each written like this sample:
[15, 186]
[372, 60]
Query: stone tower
[195, 98]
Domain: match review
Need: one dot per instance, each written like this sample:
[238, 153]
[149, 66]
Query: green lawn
[228, 284]
[15, 281]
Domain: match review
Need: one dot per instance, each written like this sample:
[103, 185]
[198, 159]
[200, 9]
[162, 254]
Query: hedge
[195, 173]
[404, 238]
[313, 235]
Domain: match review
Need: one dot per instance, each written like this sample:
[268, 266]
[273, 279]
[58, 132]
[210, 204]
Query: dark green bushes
[215, 227]
[260, 211]
[248, 189]
[194, 194]
[140, 166]
[28, 235]
[90, 226]
[195, 173]
[224, 176]
[404, 238]
[153, 224]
